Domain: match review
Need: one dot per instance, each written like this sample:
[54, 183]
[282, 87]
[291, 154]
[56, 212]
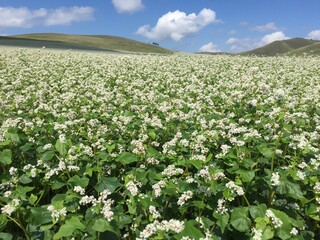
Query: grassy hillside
[23, 42]
[313, 49]
[294, 45]
[97, 41]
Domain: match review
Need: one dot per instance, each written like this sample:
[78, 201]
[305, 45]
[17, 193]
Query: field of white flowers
[98, 146]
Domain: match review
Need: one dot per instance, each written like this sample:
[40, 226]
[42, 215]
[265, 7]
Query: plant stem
[21, 227]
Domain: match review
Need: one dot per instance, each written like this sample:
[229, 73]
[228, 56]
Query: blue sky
[183, 25]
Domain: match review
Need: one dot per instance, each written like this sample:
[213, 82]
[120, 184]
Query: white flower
[317, 188]
[257, 234]
[154, 212]
[132, 187]
[185, 197]
[275, 179]
[13, 171]
[79, 189]
[57, 213]
[221, 209]
[294, 231]
[275, 221]
[10, 207]
[235, 188]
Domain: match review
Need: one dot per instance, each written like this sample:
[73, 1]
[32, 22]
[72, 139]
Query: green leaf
[39, 216]
[5, 156]
[246, 175]
[77, 181]
[258, 211]
[32, 199]
[3, 221]
[127, 158]
[266, 151]
[69, 227]
[268, 233]
[102, 225]
[24, 179]
[196, 163]
[14, 137]
[5, 236]
[108, 183]
[152, 134]
[239, 219]
[46, 156]
[191, 231]
[5, 143]
[223, 220]
[293, 190]
[61, 148]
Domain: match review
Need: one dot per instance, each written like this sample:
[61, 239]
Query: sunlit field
[111, 146]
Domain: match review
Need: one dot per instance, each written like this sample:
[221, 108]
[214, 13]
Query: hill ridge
[292, 46]
[82, 42]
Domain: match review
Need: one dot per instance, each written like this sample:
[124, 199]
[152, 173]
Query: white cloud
[65, 16]
[24, 17]
[209, 47]
[232, 32]
[245, 44]
[128, 6]
[269, 27]
[176, 25]
[315, 35]
[275, 36]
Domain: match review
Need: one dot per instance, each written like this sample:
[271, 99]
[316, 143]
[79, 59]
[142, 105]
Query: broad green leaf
[102, 225]
[293, 190]
[5, 143]
[239, 219]
[258, 211]
[3, 221]
[266, 150]
[14, 137]
[108, 183]
[246, 175]
[39, 216]
[152, 134]
[32, 199]
[5, 236]
[191, 231]
[77, 181]
[127, 158]
[46, 156]
[6, 157]
[25, 179]
[196, 163]
[268, 233]
[222, 220]
[69, 227]
[61, 148]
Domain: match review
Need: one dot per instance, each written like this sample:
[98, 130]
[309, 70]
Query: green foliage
[110, 147]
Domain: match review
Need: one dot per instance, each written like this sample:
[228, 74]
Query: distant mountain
[293, 46]
[81, 42]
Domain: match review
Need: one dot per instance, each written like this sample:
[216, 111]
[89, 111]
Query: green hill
[81, 42]
[294, 46]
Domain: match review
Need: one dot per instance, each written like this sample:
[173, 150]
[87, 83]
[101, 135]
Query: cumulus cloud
[128, 6]
[209, 47]
[242, 44]
[177, 25]
[245, 44]
[315, 35]
[24, 17]
[275, 36]
[65, 16]
[269, 27]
